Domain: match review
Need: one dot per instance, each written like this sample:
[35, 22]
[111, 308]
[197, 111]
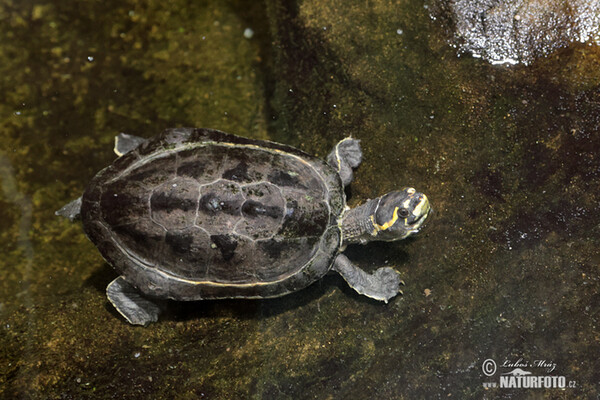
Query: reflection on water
[506, 268]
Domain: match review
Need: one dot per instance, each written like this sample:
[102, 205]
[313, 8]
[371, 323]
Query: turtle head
[399, 214]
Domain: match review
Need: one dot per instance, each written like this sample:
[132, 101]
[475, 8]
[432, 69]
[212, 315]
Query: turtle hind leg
[345, 156]
[382, 285]
[130, 303]
[71, 210]
[124, 143]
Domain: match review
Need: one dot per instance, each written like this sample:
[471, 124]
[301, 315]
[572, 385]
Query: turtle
[195, 214]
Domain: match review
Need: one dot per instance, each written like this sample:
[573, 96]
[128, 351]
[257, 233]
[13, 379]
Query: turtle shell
[195, 214]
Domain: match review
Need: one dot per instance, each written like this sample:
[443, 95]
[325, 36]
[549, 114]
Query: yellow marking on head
[423, 204]
[388, 224]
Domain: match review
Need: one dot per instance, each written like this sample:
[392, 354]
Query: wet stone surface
[507, 268]
[518, 31]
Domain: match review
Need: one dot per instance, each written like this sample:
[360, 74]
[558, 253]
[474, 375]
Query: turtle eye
[403, 212]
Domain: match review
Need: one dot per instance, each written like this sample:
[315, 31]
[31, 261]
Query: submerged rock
[518, 31]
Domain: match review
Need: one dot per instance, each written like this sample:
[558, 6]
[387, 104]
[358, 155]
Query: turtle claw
[389, 283]
[400, 291]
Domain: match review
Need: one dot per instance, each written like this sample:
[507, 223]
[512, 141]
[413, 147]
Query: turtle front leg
[381, 285]
[345, 156]
[130, 303]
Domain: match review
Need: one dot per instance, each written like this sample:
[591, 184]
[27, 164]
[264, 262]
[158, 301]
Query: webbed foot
[382, 285]
[130, 303]
[71, 210]
[345, 156]
[124, 143]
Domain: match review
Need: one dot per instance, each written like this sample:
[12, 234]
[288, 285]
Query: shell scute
[220, 207]
[151, 172]
[174, 203]
[206, 168]
[187, 252]
[122, 203]
[144, 238]
[263, 211]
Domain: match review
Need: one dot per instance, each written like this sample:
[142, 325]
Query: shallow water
[506, 269]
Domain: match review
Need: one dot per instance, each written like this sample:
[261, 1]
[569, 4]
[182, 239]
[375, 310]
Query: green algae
[507, 267]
